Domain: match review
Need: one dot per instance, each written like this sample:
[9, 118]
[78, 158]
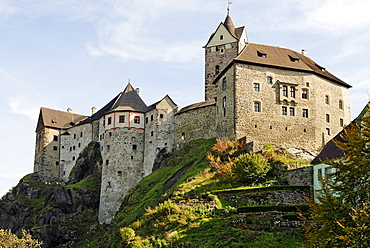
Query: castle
[269, 95]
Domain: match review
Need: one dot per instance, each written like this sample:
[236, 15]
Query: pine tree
[342, 217]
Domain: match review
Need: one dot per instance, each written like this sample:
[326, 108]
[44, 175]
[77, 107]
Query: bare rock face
[53, 212]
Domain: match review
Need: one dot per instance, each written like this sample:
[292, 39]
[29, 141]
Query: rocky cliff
[59, 213]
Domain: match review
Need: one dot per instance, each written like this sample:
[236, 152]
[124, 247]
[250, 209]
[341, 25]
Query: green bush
[127, 233]
[250, 168]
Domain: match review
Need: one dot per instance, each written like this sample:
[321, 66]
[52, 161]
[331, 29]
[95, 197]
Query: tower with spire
[222, 47]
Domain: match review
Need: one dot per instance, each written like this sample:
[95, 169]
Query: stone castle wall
[72, 143]
[195, 124]
[47, 154]
[122, 168]
[269, 125]
[220, 55]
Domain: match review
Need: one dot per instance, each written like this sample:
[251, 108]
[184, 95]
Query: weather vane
[228, 6]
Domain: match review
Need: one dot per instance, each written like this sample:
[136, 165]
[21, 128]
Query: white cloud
[18, 106]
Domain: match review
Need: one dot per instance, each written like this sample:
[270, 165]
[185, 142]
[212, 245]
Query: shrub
[127, 233]
[9, 240]
[250, 168]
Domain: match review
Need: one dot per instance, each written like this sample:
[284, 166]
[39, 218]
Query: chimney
[137, 91]
[304, 52]
[69, 110]
[93, 110]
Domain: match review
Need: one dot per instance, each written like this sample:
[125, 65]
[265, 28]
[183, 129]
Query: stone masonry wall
[195, 124]
[47, 154]
[270, 126]
[72, 144]
[122, 168]
[272, 197]
[221, 56]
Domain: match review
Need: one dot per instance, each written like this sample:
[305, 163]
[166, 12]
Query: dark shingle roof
[197, 106]
[130, 100]
[58, 119]
[283, 58]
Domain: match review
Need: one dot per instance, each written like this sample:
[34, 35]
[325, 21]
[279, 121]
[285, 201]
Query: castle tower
[222, 47]
[123, 150]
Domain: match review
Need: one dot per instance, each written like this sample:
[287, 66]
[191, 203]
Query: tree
[342, 217]
[9, 240]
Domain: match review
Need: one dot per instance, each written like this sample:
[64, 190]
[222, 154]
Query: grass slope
[151, 210]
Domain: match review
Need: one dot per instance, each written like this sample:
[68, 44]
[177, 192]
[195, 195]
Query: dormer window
[293, 59]
[260, 54]
[320, 67]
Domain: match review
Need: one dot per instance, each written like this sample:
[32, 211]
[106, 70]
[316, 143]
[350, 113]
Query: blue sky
[80, 53]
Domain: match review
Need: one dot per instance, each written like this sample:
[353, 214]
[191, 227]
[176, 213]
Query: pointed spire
[229, 23]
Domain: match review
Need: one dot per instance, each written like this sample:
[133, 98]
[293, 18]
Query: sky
[81, 53]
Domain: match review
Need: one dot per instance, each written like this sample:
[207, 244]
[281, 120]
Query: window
[109, 120]
[119, 173]
[108, 148]
[56, 162]
[134, 147]
[327, 118]
[328, 131]
[285, 90]
[74, 136]
[161, 116]
[341, 123]
[224, 84]
[55, 148]
[110, 134]
[307, 84]
[293, 59]
[73, 158]
[262, 55]
[284, 110]
[217, 69]
[327, 100]
[151, 118]
[74, 148]
[292, 92]
[256, 87]
[79, 144]
[221, 50]
[55, 138]
[107, 162]
[81, 134]
[224, 105]
[137, 119]
[304, 94]
[257, 106]
[146, 119]
[305, 113]
[269, 80]
[121, 119]
[70, 149]
[327, 172]
[221, 37]
[292, 111]
[319, 174]
[151, 133]
[340, 104]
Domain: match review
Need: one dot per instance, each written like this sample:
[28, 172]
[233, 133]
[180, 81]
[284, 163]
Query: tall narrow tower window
[224, 105]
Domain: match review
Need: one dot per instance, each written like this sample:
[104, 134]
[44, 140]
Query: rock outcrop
[53, 212]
